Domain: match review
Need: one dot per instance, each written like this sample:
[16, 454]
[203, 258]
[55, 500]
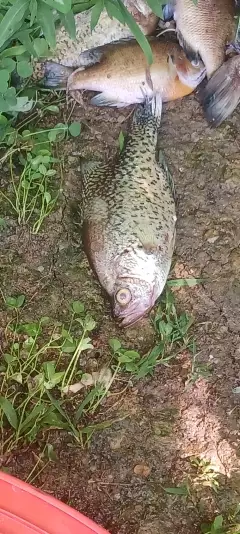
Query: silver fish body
[129, 220]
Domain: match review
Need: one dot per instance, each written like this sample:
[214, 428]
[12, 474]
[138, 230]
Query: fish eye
[195, 62]
[123, 297]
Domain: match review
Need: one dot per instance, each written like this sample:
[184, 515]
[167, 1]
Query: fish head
[190, 73]
[133, 299]
[140, 281]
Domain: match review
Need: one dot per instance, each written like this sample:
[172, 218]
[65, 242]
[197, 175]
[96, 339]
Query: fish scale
[205, 28]
[129, 219]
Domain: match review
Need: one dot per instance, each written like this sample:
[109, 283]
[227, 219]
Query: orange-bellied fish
[122, 76]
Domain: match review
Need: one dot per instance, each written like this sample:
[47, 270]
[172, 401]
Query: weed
[35, 190]
[172, 331]
[198, 370]
[221, 525]
[205, 474]
[39, 360]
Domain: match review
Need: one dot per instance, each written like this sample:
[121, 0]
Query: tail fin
[150, 109]
[55, 75]
[222, 93]
[168, 11]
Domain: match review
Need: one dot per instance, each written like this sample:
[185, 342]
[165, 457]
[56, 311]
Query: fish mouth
[132, 314]
[130, 320]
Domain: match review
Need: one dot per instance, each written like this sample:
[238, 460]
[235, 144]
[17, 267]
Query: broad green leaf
[68, 21]
[13, 51]
[181, 490]
[58, 407]
[49, 369]
[20, 301]
[85, 344]
[33, 11]
[95, 13]
[89, 323]
[11, 19]
[82, 6]
[23, 104]
[75, 129]
[53, 109]
[11, 302]
[180, 282]
[156, 6]
[90, 396]
[8, 64]
[46, 20]
[138, 34]
[124, 359]
[31, 417]
[68, 346]
[218, 522]
[47, 197]
[3, 223]
[114, 344]
[9, 358]
[40, 46]
[9, 411]
[113, 11]
[52, 457]
[132, 354]
[24, 37]
[77, 306]
[63, 6]
[24, 69]
[4, 77]
[4, 107]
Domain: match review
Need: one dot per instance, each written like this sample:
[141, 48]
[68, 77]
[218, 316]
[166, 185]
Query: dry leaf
[104, 376]
[142, 470]
[87, 380]
[73, 388]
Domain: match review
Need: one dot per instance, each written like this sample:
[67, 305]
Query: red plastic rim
[26, 510]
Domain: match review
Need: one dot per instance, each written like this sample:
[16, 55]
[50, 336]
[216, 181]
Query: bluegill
[129, 219]
[122, 76]
[205, 29]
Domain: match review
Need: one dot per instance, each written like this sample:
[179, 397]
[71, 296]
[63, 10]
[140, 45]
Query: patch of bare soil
[118, 481]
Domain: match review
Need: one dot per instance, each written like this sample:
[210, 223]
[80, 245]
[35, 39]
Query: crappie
[129, 220]
[120, 72]
[204, 28]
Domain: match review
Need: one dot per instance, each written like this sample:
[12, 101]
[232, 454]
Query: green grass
[44, 386]
[229, 524]
[39, 361]
[35, 168]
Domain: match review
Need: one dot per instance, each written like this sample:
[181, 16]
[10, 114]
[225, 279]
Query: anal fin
[103, 99]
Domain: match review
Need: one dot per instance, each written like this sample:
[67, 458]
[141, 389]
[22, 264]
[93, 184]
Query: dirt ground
[166, 424]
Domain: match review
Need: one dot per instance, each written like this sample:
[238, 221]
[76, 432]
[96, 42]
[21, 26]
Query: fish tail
[55, 75]
[168, 11]
[221, 95]
[150, 109]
